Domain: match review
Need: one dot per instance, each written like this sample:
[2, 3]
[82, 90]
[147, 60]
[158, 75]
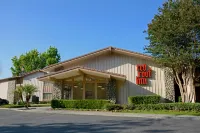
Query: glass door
[89, 91]
[67, 91]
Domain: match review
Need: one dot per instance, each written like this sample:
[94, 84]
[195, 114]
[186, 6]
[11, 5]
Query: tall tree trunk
[27, 100]
[186, 85]
[191, 95]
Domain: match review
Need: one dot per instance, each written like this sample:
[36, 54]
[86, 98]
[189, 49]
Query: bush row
[160, 106]
[79, 104]
[111, 107]
[170, 106]
[151, 99]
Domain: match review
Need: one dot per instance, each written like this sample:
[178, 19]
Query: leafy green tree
[51, 55]
[174, 35]
[33, 60]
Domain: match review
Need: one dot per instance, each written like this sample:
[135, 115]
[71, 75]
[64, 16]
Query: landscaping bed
[79, 104]
[21, 106]
[167, 112]
[137, 104]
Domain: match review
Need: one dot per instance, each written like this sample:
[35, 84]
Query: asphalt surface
[30, 122]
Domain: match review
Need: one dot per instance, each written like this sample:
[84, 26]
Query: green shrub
[128, 107]
[111, 106]
[55, 104]
[20, 103]
[179, 99]
[79, 104]
[148, 99]
[169, 106]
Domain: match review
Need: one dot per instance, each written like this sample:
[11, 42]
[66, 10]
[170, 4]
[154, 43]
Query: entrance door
[101, 89]
[89, 91]
[67, 92]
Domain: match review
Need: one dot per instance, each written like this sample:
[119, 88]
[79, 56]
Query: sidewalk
[101, 113]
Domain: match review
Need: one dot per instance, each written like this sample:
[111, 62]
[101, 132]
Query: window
[47, 96]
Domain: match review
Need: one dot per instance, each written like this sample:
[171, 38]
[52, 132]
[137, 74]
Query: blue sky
[75, 27]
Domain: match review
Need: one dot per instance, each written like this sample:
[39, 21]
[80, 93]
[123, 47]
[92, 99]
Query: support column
[57, 90]
[111, 90]
[169, 85]
[83, 86]
[72, 90]
[95, 89]
[62, 89]
[10, 92]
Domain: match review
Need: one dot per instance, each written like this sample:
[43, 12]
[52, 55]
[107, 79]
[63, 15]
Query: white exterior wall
[32, 79]
[4, 90]
[126, 65]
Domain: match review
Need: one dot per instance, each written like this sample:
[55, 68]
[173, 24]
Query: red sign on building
[143, 74]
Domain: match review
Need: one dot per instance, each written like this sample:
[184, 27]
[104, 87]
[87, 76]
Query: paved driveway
[30, 122]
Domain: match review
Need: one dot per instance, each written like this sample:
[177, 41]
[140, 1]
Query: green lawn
[168, 112]
[21, 106]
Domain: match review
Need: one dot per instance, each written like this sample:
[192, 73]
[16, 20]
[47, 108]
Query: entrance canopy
[80, 71]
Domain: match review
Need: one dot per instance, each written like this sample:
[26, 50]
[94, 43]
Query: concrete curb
[4, 108]
[94, 113]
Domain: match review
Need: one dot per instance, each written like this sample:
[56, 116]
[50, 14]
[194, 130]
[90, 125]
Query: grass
[21, 106]
[167, 112]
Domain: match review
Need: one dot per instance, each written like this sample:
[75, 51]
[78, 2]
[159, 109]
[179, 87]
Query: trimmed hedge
[111, 106]
[129, 107]
[79, 104]
[169, 106]
[148, 99]
[180, 99]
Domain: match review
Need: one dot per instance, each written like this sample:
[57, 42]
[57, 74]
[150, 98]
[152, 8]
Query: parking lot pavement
[31, 122]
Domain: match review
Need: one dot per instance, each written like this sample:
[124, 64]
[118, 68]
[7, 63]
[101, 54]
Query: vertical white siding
[126, 65]
[3, 90]
[32, 79]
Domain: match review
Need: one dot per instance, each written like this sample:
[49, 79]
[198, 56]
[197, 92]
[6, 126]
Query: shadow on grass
[107, 126]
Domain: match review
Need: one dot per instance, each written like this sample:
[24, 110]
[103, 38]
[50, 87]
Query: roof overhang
[73, 72]
[9, 79]
[21, 76]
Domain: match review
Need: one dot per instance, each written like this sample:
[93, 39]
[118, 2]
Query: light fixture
[102, 88]
[81, 88]
[99, 86]
[75, 86]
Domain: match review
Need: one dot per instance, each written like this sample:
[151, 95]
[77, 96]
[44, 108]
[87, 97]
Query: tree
[28, 91]
[33, 60]
[174, 35]
[19, 93]
[51, 55]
